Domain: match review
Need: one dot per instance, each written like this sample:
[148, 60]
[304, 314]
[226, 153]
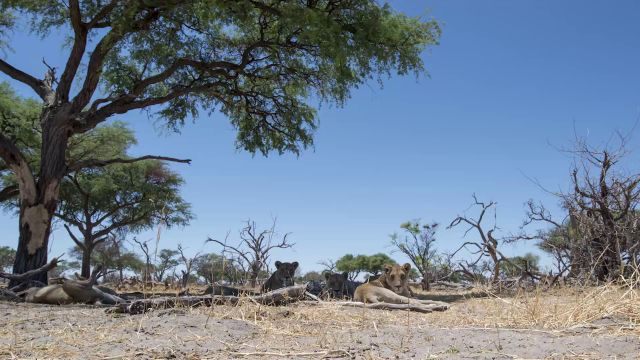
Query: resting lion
[390, 288]
[282, 277]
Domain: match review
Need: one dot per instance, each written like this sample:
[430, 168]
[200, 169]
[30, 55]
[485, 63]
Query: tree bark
[28, 258]
[86, 261]
[38, 201]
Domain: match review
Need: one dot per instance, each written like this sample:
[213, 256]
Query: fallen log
[281, 296]
[422, 308]
[31, 273]
[8, 295]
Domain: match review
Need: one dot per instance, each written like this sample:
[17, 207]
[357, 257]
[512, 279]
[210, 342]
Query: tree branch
[93, 163]
[9, 192]
[37, 85]
[77, 51]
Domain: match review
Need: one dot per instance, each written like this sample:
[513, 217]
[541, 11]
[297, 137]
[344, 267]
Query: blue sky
[509, 83]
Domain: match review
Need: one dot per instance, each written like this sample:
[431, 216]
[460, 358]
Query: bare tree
[486, 246]
[255, 247]
[146, 272]
[417, 245]
[600, 238]
[188, 263]
[329, 265]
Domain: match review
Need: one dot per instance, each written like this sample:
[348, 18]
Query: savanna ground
[576, 323]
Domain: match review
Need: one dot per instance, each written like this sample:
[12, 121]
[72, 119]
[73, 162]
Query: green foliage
[19, 122]
[213, 267]
[258, 62]
[312, 276]
[112, 255]
[167, 260]
[354, 265]
[418, 245]
[528, 261]
[7, 256]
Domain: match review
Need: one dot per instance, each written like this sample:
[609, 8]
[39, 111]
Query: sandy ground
[472, 328]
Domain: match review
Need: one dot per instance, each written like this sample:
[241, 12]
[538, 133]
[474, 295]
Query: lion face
[396, 276]
[285, 272]
[336, 286]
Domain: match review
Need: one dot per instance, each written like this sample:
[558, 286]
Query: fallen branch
[422, 308]
[31, 273]
[277, 297]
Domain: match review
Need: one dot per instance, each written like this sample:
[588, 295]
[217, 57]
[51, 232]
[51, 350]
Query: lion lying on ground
[391, 288]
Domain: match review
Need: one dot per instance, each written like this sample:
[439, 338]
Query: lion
[391, 287]
[282, 277]
[338, 286]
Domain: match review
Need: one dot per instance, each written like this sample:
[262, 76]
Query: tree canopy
[371, 264]
[263, 64]
[257, 61]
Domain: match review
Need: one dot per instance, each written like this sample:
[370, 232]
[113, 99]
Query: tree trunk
[39, 200]
[425, 283]
[86, 262]
[32, 245]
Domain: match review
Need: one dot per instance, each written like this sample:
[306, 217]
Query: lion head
[285, 272]
[395, 276]
[336, 284]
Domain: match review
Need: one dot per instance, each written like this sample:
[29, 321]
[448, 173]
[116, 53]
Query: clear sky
[509, 83]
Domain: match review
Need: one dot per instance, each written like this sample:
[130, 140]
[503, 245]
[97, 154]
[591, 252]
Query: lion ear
[406, 267]
[327, 275]
[295, 264]
[387, 268]
[345, 275]
[278, 263]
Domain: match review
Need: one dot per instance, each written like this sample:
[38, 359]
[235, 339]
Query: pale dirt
[30, 331]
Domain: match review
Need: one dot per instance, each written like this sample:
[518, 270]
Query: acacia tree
[167, 260]
[257, 61]
[418, 247]
[134, 196]
[255, 247]
[355, 265]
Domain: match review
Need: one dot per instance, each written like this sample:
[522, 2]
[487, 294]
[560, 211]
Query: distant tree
[188, 263]
[167, 259]
[7, 256]
[255, 247]
[329, 265]
[312, 276]
[355, 265]
[258, 62]
[417, 245]
[529, 262]
[113, 256]
[213, 267]
[485, 245]
[147, 270]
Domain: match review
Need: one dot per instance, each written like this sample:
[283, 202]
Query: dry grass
[554, 309]
[313, 331]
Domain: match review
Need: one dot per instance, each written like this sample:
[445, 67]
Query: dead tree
[329, 265]
[146, 272]
[255, 247]
[600, 238]
[188, 263]
[487, 245]
[418, 247]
